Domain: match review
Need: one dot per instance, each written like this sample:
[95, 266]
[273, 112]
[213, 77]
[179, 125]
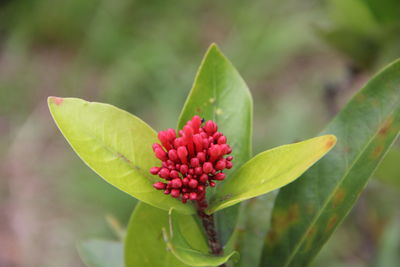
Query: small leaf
[116, 145]
[220, 94]
[307, 211]
[271, 170]
[144, 244]
[184, 251]
[101, 253]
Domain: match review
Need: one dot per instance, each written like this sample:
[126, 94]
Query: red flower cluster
[191, 161]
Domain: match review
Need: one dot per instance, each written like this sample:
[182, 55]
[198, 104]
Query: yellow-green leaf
[184, 250]
[116, 145]
[144, 244]
[271, 170]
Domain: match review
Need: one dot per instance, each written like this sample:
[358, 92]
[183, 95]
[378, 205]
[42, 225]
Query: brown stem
[211, 233]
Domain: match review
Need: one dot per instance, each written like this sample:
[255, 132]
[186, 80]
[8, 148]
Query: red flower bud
[173, 155]
[184, 169]
[193, 196]
[217, 135]
[176, 183]
[164, 173]
[220, 165]
[163, 137]
[175, 193]
[219, 176]
[160, 154]
[171, 134]
[203, 178]
[193, 183]
[194, 162]
[174, 174]
[201, 156]
[182, 154]
[154, 170]
[198, 170]
[196, 122]
[197, 155]
[222, 140]
[207, 167]
[211, 127]
[159, 185]
[198, 141]
[229, 164]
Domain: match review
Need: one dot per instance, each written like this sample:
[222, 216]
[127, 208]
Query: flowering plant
[193, 183]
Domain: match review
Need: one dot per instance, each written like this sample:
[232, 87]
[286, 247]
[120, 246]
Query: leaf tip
[55, 100]
[330, 141]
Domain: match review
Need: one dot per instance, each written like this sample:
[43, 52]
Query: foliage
[366, 31]
[117, 146]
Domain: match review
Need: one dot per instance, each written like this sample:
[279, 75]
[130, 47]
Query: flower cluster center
[191, 161]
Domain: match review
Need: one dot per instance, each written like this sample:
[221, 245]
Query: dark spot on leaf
[347, 149]
[281, 220]
[199, 110]
[271, 238]
[377, 151]
[310, 237]
[338, 197]
[331, 223]
[386, 126]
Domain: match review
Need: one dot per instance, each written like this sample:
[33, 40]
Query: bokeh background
[302, 59]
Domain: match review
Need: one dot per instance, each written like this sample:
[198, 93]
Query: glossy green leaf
[307, 211]
[101, 253]
[271, 170]
[183, 249]
[116, 145]
[144, 243]
[220, 94]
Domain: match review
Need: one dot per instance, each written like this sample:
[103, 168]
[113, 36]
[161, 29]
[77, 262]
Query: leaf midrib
[117, 154]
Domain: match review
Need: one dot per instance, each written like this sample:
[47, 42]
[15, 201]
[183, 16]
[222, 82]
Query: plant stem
[210, 230]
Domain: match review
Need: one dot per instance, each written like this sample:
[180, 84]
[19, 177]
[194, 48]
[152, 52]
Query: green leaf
[389, 246]
[101, 253]
[353, 15]
[220, 94]
[183, 250]
[254, 222]
[389, 170]
[307, 211]
[116, 145]
[144, 244]
[271, 170]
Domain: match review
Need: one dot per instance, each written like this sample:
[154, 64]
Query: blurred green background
[302, 59]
